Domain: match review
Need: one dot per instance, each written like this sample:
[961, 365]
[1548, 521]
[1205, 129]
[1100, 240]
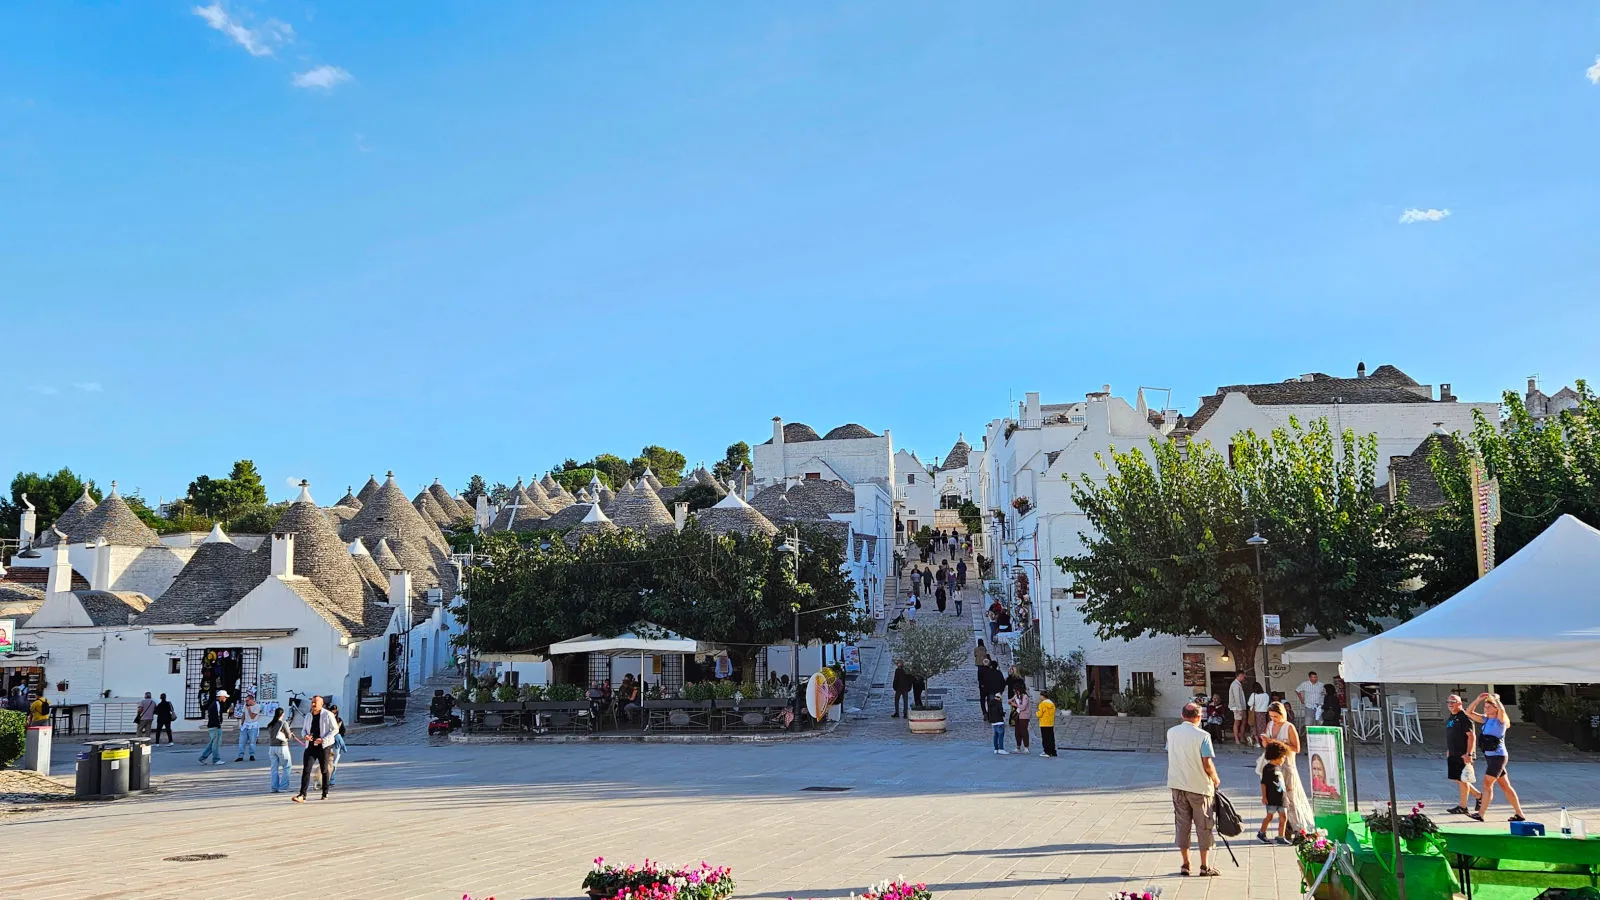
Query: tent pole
[1394, 812]
[1350, 692]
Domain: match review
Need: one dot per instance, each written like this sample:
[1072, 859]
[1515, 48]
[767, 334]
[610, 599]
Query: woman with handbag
[1495, 721]
[1021, 714]
[1297, 805]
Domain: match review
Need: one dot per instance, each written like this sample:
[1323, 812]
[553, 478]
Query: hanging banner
[1485, 515]
[1271, 630]
[1330, 783]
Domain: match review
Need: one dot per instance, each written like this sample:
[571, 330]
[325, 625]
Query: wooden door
[1102, 685]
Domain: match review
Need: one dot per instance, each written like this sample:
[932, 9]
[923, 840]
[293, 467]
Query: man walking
[927, 580]
[961, 574]
[144, 715]
[939, 598]
[1460, 743]
[1236, 706]
[213, 749]
[1192, 778]
[1310, 694]
[321, 728]
[902, 689]
[164, 716]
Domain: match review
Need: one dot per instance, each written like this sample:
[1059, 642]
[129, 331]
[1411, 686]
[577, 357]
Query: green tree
[1545, 470]
[614, 469]
[971, 517]
[1168, 552]
[579, 477]
[228, 498]
[476, 487]
[701, 496]
[735, 456]
[667, 465]
[50, 495]
[260, 520]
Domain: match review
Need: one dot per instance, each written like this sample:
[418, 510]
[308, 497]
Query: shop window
[1143, 683]
[912, 478]
[302, 657]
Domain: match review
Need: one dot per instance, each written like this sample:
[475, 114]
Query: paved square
[524, 821]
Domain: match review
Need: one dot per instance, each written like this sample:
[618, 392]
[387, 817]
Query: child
[1047, 725]
[1272, 791]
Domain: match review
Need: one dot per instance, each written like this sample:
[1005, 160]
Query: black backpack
[1228, 821]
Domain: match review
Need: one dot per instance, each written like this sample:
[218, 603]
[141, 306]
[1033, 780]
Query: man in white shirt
[1310, 694]
[320, 730]
[1236, 706]
[249, 714]
[1192, 778]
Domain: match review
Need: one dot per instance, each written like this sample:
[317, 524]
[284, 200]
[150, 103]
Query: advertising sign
[1271, 630]
[8, 635]
[1485, 515]
[1330, 783]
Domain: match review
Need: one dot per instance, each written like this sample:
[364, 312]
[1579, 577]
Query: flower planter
[926, 721]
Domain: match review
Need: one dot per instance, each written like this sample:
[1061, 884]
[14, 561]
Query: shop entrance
[1102, 685]
[212, 669]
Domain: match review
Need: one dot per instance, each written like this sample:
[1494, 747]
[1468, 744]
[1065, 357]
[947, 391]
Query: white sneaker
[222, 762]
[1003, 752]
[1042, 753]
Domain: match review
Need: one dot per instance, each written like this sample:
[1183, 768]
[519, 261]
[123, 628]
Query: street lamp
[1258, 542]
[794, 653]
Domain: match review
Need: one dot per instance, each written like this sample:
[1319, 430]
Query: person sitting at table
[628, 697]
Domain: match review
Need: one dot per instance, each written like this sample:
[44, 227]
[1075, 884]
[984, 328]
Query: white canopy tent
[641, 638]
[1534, 619]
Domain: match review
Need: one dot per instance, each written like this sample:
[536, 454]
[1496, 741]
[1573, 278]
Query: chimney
[59, 580]
[400, 594]
[1444, 393]
[777, 431]
[680, 514]
[282, 554]
[100, 574]
[1030, 410]
[1533, 384]
[1361, 370]
[29, 526]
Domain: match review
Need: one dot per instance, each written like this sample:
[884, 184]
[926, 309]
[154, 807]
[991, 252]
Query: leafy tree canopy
[1168, 552]
[971, 517]
[228, 498]
[50, 495]
[476, 487]
[736, 455]
[667, 465]
[1544, 469]
[735, 590]
[579, 477]
[260, 520]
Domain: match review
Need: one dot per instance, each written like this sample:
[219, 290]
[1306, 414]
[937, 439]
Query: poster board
[1329, 780]
[1194, 672]
[8, 635]
[1272, 630]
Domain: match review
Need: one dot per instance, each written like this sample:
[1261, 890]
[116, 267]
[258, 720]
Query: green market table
[1428, 875]
[1486, 856]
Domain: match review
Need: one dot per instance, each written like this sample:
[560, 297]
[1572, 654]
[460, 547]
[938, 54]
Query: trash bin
[87, 786]
[114, 767]
[36, 751]
[138, 764]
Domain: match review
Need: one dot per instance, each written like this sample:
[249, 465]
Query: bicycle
[294, 706]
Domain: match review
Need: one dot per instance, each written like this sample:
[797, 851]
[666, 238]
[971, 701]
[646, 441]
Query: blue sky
[448, 238]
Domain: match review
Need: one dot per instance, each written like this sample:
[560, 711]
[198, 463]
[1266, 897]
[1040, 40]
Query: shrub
[564, 693]
[533, 693]
[13, 734]
[931, 648]
[507, 693]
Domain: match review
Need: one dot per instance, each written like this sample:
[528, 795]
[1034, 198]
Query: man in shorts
[1460, 742]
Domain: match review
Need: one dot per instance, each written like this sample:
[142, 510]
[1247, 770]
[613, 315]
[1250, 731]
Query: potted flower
[929, 649]
[1122, 702]
[62, 685]
[1313, 853]
[1022, 505]
[897, 889]
[1149, 893]
[727, 694]
[650, 880]
[1415, 828]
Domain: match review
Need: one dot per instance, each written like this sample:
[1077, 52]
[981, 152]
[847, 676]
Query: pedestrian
[1259, 700]
[1280, 729]
[1273, 791]
[1015, 683]
[994, 613]
[1236, 706]
[249, 716]
[279, 764]
[956, 596]
[144, 715]
[911, 609]
[1192, 779]
[961, 575]
[902, 689]
[990, 684]
[338, 746]
[1047, 725]
[1495, 721]
[320, 729]
[980, 655]
[1332, 706]
[994, 713]
[1310, 694]
[918, 685]
[927, 580]
[39, 711]
[213, 750]
[1461, 744]
[164, 716]
[939, 598]
[1021, 716]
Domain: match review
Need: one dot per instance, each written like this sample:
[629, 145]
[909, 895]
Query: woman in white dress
[1297, 804]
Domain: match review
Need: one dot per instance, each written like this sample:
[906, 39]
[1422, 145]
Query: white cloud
[361, 143]
[89, 387]
[1413, 216]
[255, 41]
[1593, 72]
[45, 389]
[321, 78]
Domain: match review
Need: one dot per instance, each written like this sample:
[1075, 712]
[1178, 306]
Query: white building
[1542, 406]
[916, 500]
[108, 544]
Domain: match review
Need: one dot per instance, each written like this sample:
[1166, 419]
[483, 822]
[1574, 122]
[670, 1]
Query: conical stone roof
[210, 583]
[521, 512]
[321, 556]
[542, 503]
[113, 521]
[594, 523]
[567, 517]
[425, 503]
[731, 515]
[651, 479]
[349, 500]
[642, 510]
[450, 506]
[369, 490]
[417, 543]
[384, 557]
[68, 520]
[367, 567]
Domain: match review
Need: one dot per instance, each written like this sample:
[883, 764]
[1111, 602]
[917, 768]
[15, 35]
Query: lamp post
[1258, 542]
[791, 544]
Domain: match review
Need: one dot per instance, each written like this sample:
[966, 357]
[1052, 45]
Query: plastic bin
[87, 786]
[138, 764]
[114, 766]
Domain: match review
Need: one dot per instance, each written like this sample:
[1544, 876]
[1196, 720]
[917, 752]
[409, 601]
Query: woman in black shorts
[1495, 721]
